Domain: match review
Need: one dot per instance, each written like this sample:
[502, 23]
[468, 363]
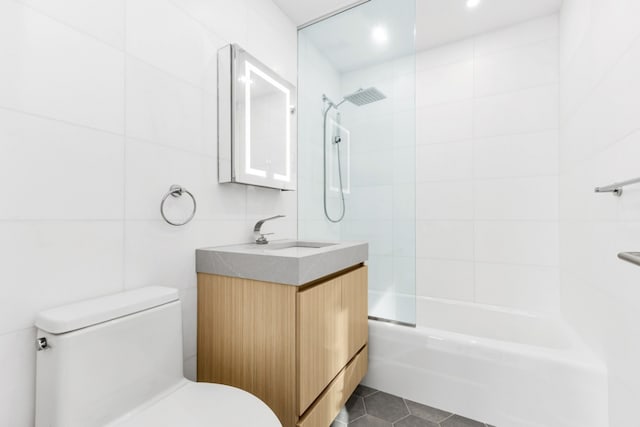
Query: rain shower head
[365, 96]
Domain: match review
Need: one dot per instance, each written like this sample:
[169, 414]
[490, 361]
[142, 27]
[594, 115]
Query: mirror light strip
[249, 68]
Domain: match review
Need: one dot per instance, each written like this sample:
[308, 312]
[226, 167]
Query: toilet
[117, 361]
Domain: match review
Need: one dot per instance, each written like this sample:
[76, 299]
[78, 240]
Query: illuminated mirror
[256, 122]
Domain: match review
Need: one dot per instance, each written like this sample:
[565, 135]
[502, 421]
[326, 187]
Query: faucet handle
[262, 240]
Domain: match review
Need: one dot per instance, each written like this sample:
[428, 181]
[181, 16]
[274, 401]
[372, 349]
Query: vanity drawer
[332, 327]
[326, 408]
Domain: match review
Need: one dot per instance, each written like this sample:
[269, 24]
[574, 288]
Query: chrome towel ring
[177, 191]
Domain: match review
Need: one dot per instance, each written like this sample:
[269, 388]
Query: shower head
[365, 96]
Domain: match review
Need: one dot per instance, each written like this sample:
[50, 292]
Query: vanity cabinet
[300, 349]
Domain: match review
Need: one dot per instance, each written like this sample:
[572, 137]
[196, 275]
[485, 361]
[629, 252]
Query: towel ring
[177, 191]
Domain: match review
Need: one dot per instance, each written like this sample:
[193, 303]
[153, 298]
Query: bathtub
[504, 367]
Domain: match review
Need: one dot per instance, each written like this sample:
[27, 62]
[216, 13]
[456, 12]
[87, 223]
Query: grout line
[488, 138]
[473, 98]
[473, 39]
[476, 178]
[400, 419]
[168, 73]
[66, 122]
[172, 147]
[124, 156]
[473, 177]
[69, 26]
[519, 264]
[589, 93]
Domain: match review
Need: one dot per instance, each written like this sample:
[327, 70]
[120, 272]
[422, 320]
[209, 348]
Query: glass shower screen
[356, 143]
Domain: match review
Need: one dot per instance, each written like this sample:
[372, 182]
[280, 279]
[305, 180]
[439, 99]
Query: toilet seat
[203, 404]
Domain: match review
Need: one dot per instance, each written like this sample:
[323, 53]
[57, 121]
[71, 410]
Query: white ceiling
[443, 21]
[303, 11]
[345, 39]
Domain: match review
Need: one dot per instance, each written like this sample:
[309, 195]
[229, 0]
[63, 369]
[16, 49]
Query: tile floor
[372, 408]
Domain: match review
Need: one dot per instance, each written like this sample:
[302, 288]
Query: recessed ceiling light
[473, 3]
[379, 34]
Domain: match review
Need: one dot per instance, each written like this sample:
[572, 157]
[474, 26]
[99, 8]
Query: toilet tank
[107, 356]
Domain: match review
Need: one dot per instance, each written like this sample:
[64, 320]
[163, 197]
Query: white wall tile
[17, 369]
[103, 19]
[444, 123]
[452, 53]
[404, 276]
[533, 198]
[521, 68]
[379, 234]
[573, 23]
[517, 242]
[59, 171]
[372, 169]
[404, 92]
[404, 202]
[227, 19]
[517, 35]
[46, 264]
[600, 56]
[523, 111]
[528, 154]
[362, 199]
[404, 129]
[168, 111]
[445, 279]
[164, 35]
[444, 84]
[444, 200]
[526, 287]
[404, 238]
[442, 162]
[380, 274]
[51, 70]
[487, 164]
[451, 240]
[373, 133]
[151, 169]
[404, 166]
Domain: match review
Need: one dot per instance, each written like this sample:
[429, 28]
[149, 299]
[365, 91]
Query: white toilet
[117, 361]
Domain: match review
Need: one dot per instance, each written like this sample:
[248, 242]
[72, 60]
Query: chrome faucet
[260, 237]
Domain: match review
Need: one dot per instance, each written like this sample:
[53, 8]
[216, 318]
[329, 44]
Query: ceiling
[303, 11]
[346, 38]
[443, 21]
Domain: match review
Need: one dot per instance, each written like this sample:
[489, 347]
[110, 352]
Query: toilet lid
[204, 404]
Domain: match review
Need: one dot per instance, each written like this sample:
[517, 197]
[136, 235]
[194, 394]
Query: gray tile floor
[368, 407]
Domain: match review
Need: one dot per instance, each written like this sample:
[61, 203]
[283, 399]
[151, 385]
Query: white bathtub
[506, 368]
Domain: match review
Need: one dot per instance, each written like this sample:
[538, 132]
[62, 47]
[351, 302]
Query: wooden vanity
[300, 349]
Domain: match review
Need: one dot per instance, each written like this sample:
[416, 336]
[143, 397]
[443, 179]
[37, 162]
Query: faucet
[260, 239]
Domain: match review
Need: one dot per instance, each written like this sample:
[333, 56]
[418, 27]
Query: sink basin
[289, 262]
[295, 244]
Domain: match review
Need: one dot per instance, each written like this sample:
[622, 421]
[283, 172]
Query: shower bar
[616, 187]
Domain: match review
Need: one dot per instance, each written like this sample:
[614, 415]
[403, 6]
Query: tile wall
[599, 145]
[487, 169]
